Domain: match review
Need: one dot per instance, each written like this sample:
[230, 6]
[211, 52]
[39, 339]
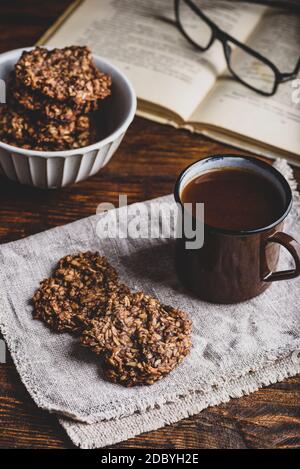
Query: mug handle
[293, 247]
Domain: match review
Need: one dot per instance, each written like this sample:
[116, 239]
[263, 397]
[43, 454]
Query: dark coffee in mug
[246, 203]
[235, 199]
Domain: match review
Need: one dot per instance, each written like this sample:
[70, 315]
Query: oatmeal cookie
[20, 129]
[139, 339]
[86, 269]
[52, 131]
[13, 125]
[77, 292]
[63, 74]
[52, 100]
[92, 276]
[35, 102]
[54, 304]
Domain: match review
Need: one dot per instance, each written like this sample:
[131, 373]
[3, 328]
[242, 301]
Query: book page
[141, 38]
[274, 121]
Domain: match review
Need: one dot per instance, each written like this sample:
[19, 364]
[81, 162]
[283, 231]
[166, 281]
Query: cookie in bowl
[52, 98]
[23, 130]
[24, 98]
[67, 74]
[51, 95]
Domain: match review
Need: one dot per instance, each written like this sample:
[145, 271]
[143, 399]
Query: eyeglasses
[246, 65]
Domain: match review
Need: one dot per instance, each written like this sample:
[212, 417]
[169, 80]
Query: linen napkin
[236, 348]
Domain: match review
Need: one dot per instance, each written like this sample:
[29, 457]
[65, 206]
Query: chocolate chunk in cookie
[139, 339]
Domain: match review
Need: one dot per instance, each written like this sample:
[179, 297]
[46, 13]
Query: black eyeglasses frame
[225, 38]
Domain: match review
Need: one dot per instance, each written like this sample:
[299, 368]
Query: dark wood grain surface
[145, 166]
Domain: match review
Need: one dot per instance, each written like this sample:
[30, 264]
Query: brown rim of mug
[259, 163]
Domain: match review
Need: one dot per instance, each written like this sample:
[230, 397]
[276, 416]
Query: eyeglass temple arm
[292, 5]
[297, 68]
[289, 76]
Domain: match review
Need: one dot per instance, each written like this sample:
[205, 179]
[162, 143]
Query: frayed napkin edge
[98, 435]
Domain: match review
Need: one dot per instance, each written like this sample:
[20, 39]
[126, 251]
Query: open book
[178, 85]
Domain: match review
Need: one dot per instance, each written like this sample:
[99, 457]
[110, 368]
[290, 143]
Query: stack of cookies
[138, 339]
[52, 99]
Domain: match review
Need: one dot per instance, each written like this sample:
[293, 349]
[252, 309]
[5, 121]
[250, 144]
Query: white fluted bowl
[56, 169]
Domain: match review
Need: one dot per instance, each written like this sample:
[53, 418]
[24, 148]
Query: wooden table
[145, 166]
